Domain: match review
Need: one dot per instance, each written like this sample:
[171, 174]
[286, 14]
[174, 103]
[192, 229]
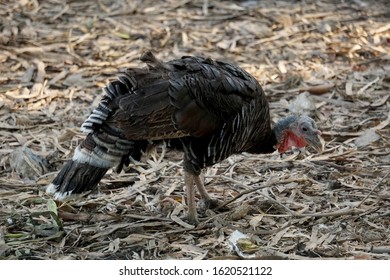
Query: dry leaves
[327, 58]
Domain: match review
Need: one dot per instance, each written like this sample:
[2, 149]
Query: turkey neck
[266, 146]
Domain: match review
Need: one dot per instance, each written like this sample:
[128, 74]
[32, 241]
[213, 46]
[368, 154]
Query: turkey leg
[190, 191]
[189, 180]
[209, 202]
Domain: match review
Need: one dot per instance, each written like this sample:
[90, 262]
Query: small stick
[380, 249]
[341, 212]
[265, 185]
[373, 189]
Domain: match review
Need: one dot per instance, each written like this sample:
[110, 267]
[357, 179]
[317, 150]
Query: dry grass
[333, 54]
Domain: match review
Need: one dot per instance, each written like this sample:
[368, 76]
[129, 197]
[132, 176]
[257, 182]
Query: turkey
[213, 108]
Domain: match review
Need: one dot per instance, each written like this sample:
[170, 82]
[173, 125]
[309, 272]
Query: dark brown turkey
[214, 108]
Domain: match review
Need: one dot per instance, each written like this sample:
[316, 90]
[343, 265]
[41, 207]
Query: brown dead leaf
[319, 89]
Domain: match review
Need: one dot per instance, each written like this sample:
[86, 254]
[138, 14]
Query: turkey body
[214, 108]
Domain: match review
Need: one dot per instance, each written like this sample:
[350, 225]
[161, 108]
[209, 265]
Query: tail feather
[75, 178]
[106, 144]
[102, 149]
[86, 168]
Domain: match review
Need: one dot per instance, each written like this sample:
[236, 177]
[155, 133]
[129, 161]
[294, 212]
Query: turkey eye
[304, 128]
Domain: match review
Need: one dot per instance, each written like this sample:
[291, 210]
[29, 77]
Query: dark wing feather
[191, 96]
[146, 112]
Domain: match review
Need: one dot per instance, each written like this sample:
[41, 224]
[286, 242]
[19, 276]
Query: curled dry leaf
[319, 89]
[240, 212]
[27, 164]
[367, 138]
[302, 104]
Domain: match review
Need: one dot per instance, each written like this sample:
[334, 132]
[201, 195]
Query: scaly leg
[209, 202]
[190, 190]
[199, 183]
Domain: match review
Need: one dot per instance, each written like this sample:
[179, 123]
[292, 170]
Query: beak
[315, 141]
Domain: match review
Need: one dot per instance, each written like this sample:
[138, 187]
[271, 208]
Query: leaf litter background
[329, 59]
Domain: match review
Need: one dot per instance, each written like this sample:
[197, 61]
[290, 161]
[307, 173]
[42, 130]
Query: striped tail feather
[75, 178]
[103, 148]
[99, 152]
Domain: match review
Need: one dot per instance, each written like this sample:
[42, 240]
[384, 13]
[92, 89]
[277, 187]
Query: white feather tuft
[63, 196]
[93, 159]
[51, 189]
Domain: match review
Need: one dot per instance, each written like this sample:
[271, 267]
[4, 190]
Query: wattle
[290, 139]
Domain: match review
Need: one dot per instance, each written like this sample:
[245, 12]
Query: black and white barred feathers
[213, 108]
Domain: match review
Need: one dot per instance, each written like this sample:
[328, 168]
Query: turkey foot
[208, 202]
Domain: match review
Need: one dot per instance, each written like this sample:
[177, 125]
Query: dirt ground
[329, 59]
